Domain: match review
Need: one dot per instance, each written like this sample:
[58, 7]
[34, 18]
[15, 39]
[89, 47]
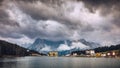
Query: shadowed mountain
[10, 49]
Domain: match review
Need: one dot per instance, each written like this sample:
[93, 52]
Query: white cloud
[46, 48]
[50, 27]
[79, 45]
[20, 41]
[74, 45]
[63, 47]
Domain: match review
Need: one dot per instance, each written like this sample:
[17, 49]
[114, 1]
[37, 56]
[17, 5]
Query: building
[98, 55]
[113, 53]
[53, 54]
[35, 54]
[75, 54]
[90, 52]
[103, 55]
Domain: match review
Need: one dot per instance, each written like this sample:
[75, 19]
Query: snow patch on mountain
[79, 45]
[43, 45]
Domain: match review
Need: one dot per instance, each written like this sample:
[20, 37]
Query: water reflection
[59, 62]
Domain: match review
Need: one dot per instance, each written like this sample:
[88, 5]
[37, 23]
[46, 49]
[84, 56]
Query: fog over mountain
[23, 21]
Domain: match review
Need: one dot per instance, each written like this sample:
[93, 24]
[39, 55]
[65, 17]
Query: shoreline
[57, 56]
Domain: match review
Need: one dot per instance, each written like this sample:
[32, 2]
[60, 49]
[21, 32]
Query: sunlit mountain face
[46, 25]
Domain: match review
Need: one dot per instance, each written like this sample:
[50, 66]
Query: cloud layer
[93, 20]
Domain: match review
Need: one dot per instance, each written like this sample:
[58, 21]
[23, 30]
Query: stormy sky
[22, 21]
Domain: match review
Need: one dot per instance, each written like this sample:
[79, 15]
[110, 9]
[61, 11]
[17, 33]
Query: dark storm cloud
[104, 5]
[7, 22]
[7, 26]
[1, 2]
[4, 19]
[47, 9]
[106, 8]
[3, 14]
[95, 20]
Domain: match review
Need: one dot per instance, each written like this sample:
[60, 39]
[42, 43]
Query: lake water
[59, 62]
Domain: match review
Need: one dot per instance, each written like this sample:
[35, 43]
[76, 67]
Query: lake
[59, 62]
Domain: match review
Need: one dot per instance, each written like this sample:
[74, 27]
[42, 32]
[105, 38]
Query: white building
[90, 52]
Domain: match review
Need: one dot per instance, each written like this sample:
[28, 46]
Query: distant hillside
[107, 48]
[100, 49]
[9, 49]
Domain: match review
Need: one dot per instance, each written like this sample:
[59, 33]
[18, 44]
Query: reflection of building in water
[53, 53]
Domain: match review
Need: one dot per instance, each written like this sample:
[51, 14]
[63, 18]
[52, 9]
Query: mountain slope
[39, 44]
[48, 45]
[9, 49]
[90, 44]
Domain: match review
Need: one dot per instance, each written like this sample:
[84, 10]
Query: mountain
[43, 45]
[90, 44]
[10, 49]
[37, 45]
[40, 44]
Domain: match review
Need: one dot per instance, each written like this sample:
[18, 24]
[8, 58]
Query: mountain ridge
[39, 44]
[10, 49]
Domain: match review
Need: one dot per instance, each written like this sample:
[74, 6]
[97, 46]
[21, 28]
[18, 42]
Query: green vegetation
[107, 48]
[9, 49]
[100, 49]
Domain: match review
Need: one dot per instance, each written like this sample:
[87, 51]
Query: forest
[10, 49]
[100, 49]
